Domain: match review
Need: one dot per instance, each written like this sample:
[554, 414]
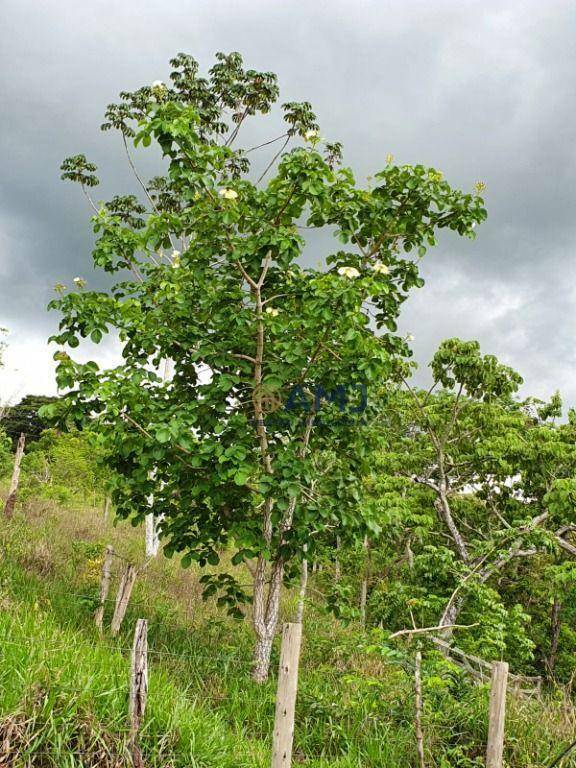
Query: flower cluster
[350, 272]
[229, 194]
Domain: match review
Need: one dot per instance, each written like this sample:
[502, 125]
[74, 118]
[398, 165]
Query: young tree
[217, 287]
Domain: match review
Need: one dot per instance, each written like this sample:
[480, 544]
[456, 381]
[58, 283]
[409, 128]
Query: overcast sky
[480, 90]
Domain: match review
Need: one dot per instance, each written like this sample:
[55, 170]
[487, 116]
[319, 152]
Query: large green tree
[209, 279]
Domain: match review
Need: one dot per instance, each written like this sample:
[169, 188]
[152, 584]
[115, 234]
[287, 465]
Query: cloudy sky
[480, 90]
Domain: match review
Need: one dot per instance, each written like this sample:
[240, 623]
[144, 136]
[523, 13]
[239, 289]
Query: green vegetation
[64, 689]
[217, 292]
[265, 425]
[24, 417]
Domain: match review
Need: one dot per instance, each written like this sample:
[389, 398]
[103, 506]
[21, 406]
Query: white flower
[349, 272]
[272, 311]
[311, 135]
[228, 194]
[380, 269]
[79, 281]
[409, 337]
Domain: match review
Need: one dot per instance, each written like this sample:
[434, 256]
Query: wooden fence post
[104, 586]
[364, 587]
[123, 598]
[13, 492]
[419, 707]
[138, 687]
[286, 696]
[497, 715]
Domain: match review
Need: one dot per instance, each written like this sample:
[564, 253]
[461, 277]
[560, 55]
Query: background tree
[475, 492]
[25, 417]
[217, 287]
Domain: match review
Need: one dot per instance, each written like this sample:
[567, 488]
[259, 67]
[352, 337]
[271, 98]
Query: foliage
[474, 492]
[5, 453]
[64, 467]
[218, 290]
[24, 417]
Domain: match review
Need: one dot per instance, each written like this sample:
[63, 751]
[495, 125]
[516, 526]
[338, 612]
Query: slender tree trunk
[265, 615]
[152, 535]
[13, 492]
[443, 508]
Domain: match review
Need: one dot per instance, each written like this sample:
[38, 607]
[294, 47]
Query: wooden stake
[138, 687]
[497, 715]
[337, 571]
[364, 588]
[302, 591]
[106, 507]
[123, 598]
[13, 492]
[419, 707]
[104, 586]
[286, 696]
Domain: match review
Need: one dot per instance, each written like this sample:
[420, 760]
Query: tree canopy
[209, 281]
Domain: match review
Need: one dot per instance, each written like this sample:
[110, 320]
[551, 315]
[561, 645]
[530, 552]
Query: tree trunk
[443, 508]
[152, 535]
[262, 653]
[265, 614]
[13, 492]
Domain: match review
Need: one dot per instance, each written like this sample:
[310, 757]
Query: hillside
[63, 689]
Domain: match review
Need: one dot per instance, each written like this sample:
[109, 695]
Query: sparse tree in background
[208, 274]
[474, 490]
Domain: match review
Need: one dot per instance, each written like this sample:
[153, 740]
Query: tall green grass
[70, 686]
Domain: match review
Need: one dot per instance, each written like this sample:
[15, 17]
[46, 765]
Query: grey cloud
[480, 90]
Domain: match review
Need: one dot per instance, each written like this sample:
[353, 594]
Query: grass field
[63, 689]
